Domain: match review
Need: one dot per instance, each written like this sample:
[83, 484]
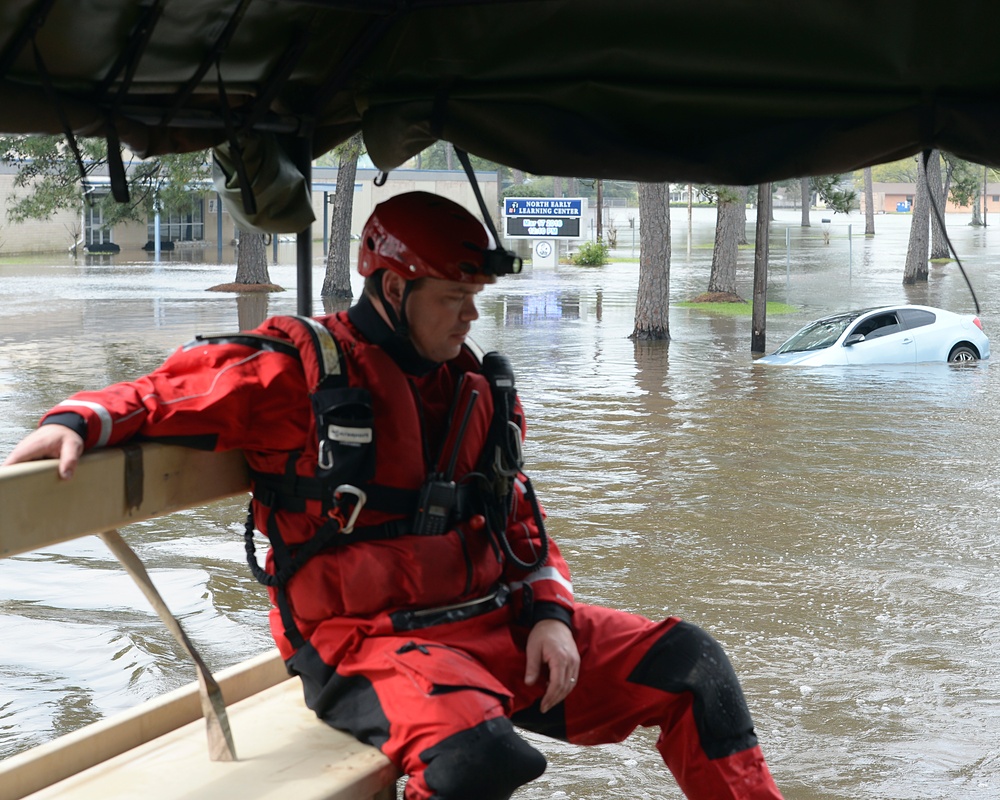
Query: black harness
[345, 466]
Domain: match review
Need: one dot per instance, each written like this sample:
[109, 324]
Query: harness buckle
[325, 455]
[362, 498]
[510, 457]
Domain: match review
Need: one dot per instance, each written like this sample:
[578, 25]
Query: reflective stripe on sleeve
[102, 414]
[545, 574]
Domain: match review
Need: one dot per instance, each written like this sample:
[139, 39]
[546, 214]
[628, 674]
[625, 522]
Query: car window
[916, 317]
[878, 325]
[819, 334]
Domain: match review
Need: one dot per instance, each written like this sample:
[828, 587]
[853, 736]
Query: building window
[186, 226]
[95, 232]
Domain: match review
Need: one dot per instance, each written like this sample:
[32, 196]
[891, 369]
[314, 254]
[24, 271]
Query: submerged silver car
[888, 335]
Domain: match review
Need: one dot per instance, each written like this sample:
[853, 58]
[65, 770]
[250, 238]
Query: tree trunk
[805, 190]
[728, 221]
[977, 220]
[869, 204]
[652, 303]
[251, 309]
[939, 241]
[337, 281]
[741, 206]
[251, 259]
[915, 269]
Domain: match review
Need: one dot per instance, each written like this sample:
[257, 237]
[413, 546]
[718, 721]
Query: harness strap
[290, 492]
[417, 619]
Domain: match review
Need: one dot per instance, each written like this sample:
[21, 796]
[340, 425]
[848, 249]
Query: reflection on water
[832, 527]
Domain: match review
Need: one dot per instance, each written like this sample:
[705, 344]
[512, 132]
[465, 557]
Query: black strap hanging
[53, 98]
[497, 261]
[944, 230]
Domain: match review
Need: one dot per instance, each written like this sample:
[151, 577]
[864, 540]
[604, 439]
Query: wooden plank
[36, 502]
[53, 761]
[158, 749]
[284, 752]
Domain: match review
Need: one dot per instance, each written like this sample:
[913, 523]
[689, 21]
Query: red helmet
[423, 235]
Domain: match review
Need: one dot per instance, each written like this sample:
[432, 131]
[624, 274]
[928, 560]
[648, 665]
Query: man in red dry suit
[415, 591]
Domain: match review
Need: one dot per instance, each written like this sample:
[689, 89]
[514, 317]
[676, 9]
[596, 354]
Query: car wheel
[962, 353]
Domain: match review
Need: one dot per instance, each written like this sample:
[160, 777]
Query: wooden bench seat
[284, 752]
[159, 750]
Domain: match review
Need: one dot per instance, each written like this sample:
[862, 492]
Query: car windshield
[819, 334]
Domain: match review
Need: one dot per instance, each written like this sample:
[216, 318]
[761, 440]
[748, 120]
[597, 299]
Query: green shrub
[591, 254]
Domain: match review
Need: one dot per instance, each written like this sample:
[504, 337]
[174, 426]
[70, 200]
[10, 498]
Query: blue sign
[543, 207]
[543, 217]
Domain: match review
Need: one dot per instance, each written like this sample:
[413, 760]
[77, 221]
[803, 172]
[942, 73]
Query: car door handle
[908, 340]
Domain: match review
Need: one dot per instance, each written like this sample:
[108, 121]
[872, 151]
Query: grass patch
[736, 309]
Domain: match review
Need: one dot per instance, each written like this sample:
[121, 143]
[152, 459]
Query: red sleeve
[216, 394]
[550, 583]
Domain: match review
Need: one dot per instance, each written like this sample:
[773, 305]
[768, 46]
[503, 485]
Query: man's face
[440, 314]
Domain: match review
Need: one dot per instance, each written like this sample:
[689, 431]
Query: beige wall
[885, 198]
[55, 235]
[59, 233]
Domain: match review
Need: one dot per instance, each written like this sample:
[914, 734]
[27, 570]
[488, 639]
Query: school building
[207, 225]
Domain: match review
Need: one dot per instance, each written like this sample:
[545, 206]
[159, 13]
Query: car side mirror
[854, 338]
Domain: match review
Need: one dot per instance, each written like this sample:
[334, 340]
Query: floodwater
[834, 528]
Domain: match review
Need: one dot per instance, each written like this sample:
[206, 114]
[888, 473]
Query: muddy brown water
[834, 528]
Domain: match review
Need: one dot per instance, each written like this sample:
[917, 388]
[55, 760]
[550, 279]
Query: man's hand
[551, 644]
[50, 441]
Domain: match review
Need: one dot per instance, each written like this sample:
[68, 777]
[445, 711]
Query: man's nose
[469, 310]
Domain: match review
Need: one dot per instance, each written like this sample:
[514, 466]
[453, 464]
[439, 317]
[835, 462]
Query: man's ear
[393, 286]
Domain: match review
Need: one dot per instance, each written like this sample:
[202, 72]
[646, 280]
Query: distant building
[207, 226]
[897, 198]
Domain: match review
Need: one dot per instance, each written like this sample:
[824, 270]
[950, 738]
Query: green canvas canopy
[727, 91]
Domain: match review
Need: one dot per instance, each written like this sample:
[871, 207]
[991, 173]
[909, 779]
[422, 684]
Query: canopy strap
[128, 60]
[364, 44]
[940, 219]
[280, 75]
[246, 190]
[463, 157]
[53, 98]
[23, 34]
[213, 706]
[213, 56]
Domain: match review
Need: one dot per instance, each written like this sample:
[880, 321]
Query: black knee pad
[487, 762]
[687, 659]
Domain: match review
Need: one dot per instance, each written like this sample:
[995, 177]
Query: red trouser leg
[433, 708]
[436, 702]
[671, 675]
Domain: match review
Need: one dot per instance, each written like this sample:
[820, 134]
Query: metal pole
[218, 226]
[850, 253]
[156, 229]
[690, 213]
[788, 260]
[326, 224]
[303, 239]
